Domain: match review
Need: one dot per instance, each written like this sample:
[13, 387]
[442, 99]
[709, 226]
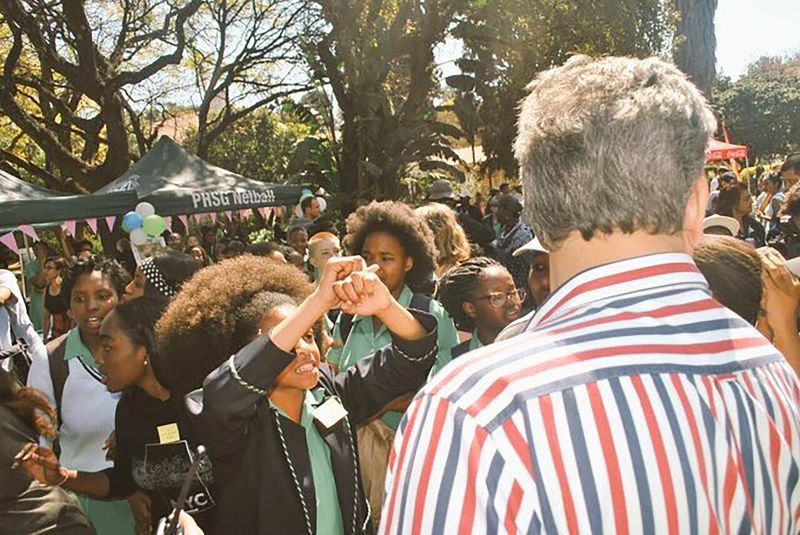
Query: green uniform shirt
[77, 349]
[363, 342]
[475, 342]
[329, 514]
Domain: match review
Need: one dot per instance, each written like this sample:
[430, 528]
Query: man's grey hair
[610, 145]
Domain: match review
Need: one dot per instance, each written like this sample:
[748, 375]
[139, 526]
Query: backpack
[418, 302]
[59, 369]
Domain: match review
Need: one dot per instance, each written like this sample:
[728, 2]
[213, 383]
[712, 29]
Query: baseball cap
[533, 246]
[716, 220]
[793, 266]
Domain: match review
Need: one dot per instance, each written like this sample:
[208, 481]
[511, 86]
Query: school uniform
[86, 410]
[272, 474]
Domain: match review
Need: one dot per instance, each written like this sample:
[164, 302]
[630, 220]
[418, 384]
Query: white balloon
[138, 236]
[298, 211]
[322, 204]
[145, 209]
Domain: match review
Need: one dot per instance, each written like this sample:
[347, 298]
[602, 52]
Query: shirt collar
[475, 342]
[619, 278]
[77, 349]
[312, 399]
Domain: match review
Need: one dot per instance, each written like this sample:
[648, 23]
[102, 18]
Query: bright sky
[749, 29]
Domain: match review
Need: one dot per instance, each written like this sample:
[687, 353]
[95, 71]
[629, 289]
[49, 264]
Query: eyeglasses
[499, 299]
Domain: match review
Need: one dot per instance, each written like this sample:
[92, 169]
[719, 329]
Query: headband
[154, 277]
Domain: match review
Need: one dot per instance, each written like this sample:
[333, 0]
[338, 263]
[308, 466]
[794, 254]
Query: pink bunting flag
[244, 214]
[263, 211]
[9, 241]
[229, 215]
[213, 216]
[185, 220]
[70, 226]
[29, 231]
[110, 222]
[168, 221]
[92, 222]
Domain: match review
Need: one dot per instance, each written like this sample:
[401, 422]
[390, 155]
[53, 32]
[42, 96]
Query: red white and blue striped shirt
[633, 403]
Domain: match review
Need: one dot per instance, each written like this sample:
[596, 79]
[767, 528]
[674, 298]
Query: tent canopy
[22, 203]
[176, 182]
[718, 150]
[16, 189]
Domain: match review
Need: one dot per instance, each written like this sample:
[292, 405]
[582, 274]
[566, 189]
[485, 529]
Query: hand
[40, 463]
[140, 507]
[362, 293]
[781, 289]
[188, 525]
[335, 270]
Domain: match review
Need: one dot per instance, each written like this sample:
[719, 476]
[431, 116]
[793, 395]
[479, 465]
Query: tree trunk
[694, 48]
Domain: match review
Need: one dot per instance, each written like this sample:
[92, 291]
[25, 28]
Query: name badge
[168, 433]
[330, 413]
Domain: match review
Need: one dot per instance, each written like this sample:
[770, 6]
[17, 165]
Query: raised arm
[230, 394]
[398, 369]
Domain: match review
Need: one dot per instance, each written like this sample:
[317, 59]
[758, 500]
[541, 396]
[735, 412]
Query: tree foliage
[506, 42]
[72, 75]
[244, 55]
[377, 56]
[86, 83]
[285, 145]
[762, 108]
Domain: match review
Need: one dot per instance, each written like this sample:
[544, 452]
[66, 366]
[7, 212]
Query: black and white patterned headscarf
[154, 277]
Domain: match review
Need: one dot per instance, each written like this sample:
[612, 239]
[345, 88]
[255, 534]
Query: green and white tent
[177, 182]
[22, 203]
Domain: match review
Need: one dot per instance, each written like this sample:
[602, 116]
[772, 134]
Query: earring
[145, 362]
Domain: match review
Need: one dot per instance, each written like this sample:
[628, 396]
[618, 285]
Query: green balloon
[154, 225]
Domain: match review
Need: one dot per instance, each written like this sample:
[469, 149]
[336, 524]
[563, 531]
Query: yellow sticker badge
[168, 433]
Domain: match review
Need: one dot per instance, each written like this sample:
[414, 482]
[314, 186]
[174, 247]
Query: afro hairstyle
[398, 220]
[214, 315]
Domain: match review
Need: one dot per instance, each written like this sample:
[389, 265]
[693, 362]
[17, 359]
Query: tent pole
[22, 267]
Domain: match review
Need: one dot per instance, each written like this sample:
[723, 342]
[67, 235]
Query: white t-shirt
[14, 316]
[774, 205]
[87, 413]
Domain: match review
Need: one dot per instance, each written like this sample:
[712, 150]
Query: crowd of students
[277, 378]
[125, 346]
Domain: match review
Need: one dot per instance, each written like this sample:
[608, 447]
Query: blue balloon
[131, 221]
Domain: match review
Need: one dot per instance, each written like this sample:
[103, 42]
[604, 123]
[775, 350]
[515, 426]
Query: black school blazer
[257, 492]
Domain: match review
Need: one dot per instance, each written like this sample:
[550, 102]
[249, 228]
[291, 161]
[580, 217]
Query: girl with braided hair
[481, 297]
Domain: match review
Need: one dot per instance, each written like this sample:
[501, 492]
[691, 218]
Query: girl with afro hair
[389, 236]
[401, 246]
[279, 425]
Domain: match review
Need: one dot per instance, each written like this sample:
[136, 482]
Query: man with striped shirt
[633, 402]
